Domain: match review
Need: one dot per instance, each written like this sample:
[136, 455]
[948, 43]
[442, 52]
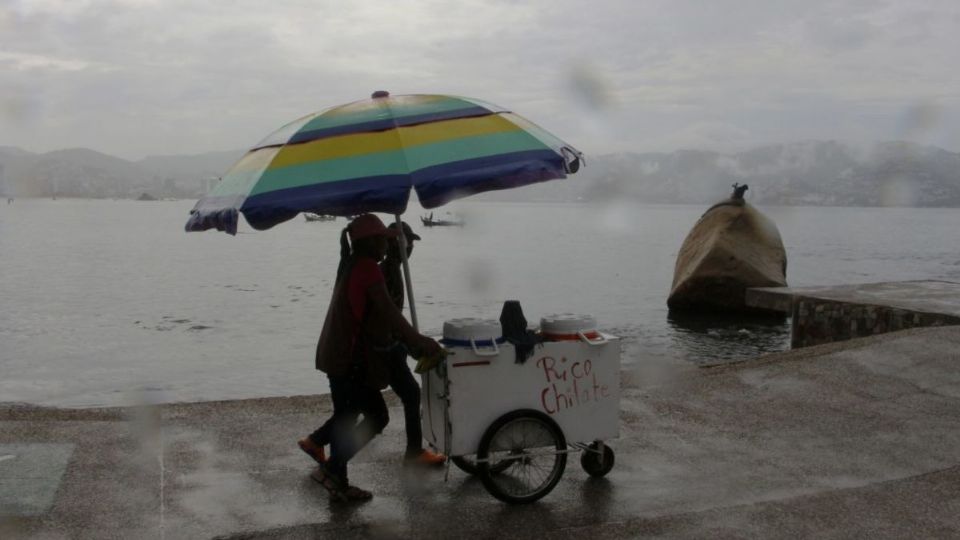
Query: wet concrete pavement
[851, 439]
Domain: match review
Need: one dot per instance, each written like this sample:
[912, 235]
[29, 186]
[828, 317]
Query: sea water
[101, 298]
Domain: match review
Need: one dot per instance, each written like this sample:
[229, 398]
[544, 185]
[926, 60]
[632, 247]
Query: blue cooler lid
[460, 332]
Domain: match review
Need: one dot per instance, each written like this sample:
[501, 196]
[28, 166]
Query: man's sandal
[331, 483]
[353, 493]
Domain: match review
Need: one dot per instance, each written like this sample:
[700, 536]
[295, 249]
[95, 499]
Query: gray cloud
[151, 77]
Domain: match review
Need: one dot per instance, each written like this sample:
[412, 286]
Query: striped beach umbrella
[367, 155]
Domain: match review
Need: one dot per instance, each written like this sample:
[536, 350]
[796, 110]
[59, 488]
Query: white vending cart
[512, 421]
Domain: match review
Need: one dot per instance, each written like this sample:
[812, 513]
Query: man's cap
[366, 225]
[407, 231]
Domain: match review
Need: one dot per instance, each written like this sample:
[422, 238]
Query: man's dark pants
[351, 397]
[404, 384]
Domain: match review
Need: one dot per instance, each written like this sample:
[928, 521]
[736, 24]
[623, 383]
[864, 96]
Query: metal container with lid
[571, 327]
[481, 335]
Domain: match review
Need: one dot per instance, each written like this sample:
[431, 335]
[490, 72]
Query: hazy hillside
[805, 173]
[187, 170]
[86, 173]
[802, 173]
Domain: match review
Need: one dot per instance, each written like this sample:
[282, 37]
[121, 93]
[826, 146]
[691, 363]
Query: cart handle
[476, 350]
[593, 342]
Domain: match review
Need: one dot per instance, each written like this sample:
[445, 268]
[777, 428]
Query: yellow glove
[426, 363]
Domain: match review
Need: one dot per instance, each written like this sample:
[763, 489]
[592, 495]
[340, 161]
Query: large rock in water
[732, 247]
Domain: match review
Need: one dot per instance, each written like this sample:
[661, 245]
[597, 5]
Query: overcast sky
[142, 77]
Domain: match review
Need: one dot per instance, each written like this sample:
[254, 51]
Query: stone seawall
[827, 314]
[817, 321]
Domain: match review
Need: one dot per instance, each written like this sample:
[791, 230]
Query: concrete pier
[827, 314]
[847, 440]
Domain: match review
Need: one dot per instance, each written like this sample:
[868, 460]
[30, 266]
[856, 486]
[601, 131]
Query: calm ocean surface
[103, 298]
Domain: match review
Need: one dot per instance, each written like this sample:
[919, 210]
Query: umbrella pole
[402, 239]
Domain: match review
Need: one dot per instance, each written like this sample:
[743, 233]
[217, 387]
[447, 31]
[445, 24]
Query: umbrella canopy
[367, 155]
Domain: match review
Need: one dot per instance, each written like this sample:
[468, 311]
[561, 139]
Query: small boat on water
[449, 221]
[731, 248]
[310, 216]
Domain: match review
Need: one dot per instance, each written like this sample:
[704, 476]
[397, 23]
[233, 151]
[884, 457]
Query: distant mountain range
[80, 172]
[801, 173]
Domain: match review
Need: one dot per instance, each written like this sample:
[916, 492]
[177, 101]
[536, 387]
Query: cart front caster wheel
[522, 456]
[590, 460]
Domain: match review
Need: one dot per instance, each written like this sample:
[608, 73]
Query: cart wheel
[590, 460]
[470, 466]
[525, 453]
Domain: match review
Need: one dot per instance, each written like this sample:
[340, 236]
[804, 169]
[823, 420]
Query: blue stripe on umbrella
[387, 194]
[440, 184]
[388, 123]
